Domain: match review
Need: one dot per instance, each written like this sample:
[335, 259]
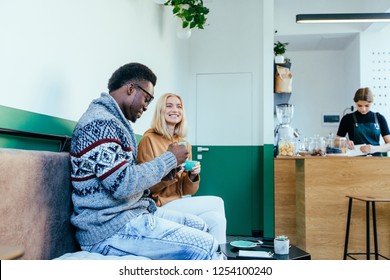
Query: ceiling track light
[343, 18]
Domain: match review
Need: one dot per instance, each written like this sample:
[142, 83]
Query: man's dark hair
[131, 72]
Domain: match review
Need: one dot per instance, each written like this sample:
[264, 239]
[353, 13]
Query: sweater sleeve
[188, 186]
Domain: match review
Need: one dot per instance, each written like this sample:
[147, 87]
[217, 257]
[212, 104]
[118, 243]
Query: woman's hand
[367, 149]
[195, 171]
[350, 145]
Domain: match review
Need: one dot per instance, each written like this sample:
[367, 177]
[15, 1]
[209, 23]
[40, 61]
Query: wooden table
[10, 252]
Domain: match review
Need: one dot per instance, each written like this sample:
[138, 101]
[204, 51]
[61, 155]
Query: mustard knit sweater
[153, 145]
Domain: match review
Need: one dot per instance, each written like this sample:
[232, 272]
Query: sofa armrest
[36, 203]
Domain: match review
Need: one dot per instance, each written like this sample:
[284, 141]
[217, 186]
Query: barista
[364, 126]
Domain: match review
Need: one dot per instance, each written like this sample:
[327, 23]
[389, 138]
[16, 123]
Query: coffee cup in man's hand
[179, 151]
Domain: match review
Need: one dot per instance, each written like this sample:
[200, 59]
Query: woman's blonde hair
[364, 94]
[159, 124]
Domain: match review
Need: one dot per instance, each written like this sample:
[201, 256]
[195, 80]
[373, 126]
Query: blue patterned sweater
[109, 188]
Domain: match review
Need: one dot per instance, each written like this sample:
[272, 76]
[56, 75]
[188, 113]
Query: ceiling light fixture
[343, 18]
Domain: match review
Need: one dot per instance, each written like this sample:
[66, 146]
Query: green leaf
[176, 9]
[193, 15]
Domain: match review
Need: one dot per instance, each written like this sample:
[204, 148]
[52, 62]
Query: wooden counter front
[311, 204]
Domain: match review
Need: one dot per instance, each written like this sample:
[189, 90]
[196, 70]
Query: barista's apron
[367, 133]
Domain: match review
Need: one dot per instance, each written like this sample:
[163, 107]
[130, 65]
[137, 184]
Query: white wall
[56, 56]
[239, 39]
[323, 82]
[318, 87]
[352, 67]
[326, 81]
[375, 70]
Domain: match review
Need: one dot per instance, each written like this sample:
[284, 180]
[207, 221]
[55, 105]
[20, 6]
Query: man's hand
[179, 151]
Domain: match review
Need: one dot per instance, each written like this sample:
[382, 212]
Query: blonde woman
[169, 125]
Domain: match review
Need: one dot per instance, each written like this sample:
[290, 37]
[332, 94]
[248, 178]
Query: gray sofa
[36, 205]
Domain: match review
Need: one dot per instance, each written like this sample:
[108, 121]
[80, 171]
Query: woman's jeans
[166, 234]
[209, 208]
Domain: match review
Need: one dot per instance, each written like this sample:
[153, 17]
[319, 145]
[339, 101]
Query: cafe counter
[311, 204]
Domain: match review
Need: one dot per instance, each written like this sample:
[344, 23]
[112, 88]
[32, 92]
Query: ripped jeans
[164, 235]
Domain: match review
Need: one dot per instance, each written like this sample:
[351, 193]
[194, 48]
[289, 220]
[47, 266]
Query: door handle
[201, 149]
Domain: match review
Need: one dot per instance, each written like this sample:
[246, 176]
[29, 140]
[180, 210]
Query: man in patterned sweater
[112, 212]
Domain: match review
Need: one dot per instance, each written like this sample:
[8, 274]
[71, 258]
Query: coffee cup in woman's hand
[189, 164]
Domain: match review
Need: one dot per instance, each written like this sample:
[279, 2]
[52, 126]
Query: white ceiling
[308, 42]
[306, 37]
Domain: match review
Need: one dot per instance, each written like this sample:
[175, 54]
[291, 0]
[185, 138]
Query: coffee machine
[284, 114]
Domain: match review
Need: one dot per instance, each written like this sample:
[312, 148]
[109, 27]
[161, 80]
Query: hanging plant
[191, 12]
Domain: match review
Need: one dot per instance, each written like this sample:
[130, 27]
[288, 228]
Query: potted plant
[281, 245]
[279, 50]
[192, 13]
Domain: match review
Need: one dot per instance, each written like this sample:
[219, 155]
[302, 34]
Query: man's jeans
[166, 234]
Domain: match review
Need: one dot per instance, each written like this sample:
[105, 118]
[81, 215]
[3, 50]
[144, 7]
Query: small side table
[10, 252]
[367, 200]
[295, 253]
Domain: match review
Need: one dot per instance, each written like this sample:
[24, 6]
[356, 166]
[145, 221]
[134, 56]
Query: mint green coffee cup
[189, 164]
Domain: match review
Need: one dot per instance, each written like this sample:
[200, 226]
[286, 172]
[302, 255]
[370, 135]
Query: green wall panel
[257, 190]
[16, 119]
[234, 173]
[243, 177]
[267, 168]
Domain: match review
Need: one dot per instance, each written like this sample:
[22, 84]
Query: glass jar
[337, 145]
[341, 143]
[319, 146]
[287, 147]
[304, 148]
